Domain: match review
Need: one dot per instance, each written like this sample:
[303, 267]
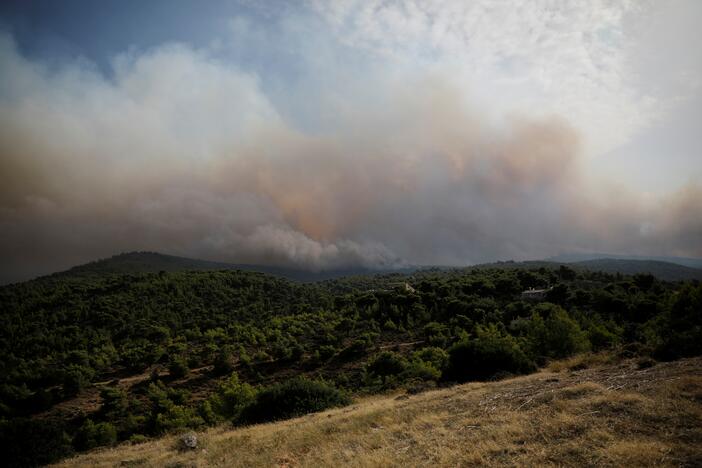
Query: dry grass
[605, 415]
[582, 361]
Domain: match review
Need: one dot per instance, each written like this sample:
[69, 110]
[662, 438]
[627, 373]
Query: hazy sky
[326, 134]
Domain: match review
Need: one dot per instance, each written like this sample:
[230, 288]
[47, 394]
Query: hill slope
[153, 262]
[95, 359]
[612, 415]
[663, 270]
[666, 271]
[581, 257]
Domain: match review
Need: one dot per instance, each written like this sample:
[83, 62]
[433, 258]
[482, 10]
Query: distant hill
[145, 262]
[663, 270]
[153, 262]
[581, 257]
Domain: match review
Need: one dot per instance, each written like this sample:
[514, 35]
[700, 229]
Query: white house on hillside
[532, 294]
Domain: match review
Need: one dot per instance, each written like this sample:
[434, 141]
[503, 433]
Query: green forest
[166, 351]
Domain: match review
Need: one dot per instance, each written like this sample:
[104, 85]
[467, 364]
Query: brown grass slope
[608, 414]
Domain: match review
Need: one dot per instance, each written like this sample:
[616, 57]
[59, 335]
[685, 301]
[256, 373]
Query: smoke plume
[180, 153]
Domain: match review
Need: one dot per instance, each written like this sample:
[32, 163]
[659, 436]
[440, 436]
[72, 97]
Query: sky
[341, 134]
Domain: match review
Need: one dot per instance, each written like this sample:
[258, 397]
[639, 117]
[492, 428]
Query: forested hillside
[662, 270]
[154, 262]
[97, 358]
[666, 271]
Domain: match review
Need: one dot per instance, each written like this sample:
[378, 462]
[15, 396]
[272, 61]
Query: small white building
[532, 294]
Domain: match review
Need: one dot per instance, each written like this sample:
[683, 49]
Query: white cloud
[527, 57]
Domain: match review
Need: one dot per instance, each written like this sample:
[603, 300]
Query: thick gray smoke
[182, 154]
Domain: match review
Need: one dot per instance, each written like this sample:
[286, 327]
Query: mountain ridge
[154, 262]
[582, 257]
[662, 270]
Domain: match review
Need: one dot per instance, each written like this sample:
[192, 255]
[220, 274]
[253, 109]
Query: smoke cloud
[181, 153]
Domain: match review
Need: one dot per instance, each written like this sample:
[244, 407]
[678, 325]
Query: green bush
[386, 364]
[75, 378]
[427, 364]
[326, 352]
[293, 398]
[231, 398]
[91, 435]
[491, 352]
[168, 410]
[421, 370]
[359, 346]
[138, 439]
[437, 357]
[132, 423]
[679, 330]
[261, 356]
[435, 333]
[162, 396]
[603, 335]
[225, 361]
[29, 442]
[115, 402]
[207, 413]
[178, 367]
[556, 336]
[139, 354]
[177, 417]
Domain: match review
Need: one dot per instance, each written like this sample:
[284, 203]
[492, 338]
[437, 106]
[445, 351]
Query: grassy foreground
[581, 412]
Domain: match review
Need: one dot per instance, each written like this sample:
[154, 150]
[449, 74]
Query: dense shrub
[435, 333]
[602, 334]
[230, 399]
[555, 336]
[75, 378]
[326, 352]
[225, 361]
[386, 364]
[491, 352]
[178, 367]
[679, 330]
[139, 354]
[169, 411]
[293, 398]
[162, 396]
[436, 357]
[426, 364]
[27, 442]
[359, 346]
[421, 370]
[91, 435]
[115, 402]
[176, 417]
